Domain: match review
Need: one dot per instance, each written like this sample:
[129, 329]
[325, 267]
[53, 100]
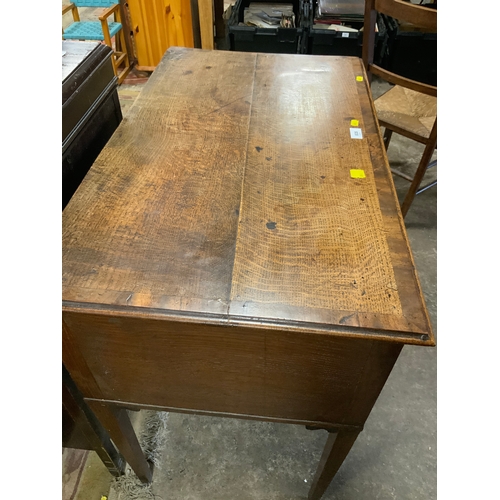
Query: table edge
[234, 321]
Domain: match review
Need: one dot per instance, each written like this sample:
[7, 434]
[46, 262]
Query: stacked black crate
[275, 38]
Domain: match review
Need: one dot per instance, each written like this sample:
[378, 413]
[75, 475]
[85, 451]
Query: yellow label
[354, 123]
[359, 78]
[357, 174]
[104, 498]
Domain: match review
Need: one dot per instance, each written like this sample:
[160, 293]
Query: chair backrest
[95, 3]
[401, 10]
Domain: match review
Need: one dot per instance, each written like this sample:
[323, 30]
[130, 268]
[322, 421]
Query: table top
[226, 196]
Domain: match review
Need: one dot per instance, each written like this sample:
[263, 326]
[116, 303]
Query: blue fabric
[89, 30]
[94, 3]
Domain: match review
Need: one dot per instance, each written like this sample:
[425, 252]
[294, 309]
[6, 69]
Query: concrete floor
[209, 458]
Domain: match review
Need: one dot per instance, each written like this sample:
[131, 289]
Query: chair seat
[408, 110]
[89, 30]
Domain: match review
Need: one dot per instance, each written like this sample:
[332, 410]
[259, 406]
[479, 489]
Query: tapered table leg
[117, 423]
[336, 449]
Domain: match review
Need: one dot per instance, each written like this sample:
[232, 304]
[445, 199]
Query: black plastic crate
[411, 54]
[271, 40]
[334, 43]
[345, 43]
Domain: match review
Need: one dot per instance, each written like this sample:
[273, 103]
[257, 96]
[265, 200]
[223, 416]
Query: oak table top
[226, 195]
[242, 190]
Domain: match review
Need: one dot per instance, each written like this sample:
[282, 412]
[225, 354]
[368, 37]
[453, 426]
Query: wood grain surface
[225, 197]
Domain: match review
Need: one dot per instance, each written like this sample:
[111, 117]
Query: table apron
[312, 425]
[213, 369]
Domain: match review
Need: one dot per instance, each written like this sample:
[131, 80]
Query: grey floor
[208, 458]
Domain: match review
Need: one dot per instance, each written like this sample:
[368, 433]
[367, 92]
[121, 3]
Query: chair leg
[387, 138]
[107, 41]
[422, 168]
[122, 75]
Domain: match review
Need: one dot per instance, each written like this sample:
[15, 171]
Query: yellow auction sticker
[359, 78]
[357, 174]
[354, 123]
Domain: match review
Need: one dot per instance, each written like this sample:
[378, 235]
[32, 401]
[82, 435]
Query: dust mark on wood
[344, 319]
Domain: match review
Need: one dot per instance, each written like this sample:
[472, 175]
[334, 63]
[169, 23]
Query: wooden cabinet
[91, 109]
[157, 25]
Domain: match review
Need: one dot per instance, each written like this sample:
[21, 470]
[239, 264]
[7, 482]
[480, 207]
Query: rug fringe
[152, 438]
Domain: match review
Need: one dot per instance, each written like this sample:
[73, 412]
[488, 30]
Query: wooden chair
[410, 107]
[100, 30]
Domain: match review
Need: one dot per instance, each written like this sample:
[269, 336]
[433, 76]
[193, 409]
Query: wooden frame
[120, 54]
[423, 17]
[206, 16]
[405, 11]
[74, 10]
[395, 79]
